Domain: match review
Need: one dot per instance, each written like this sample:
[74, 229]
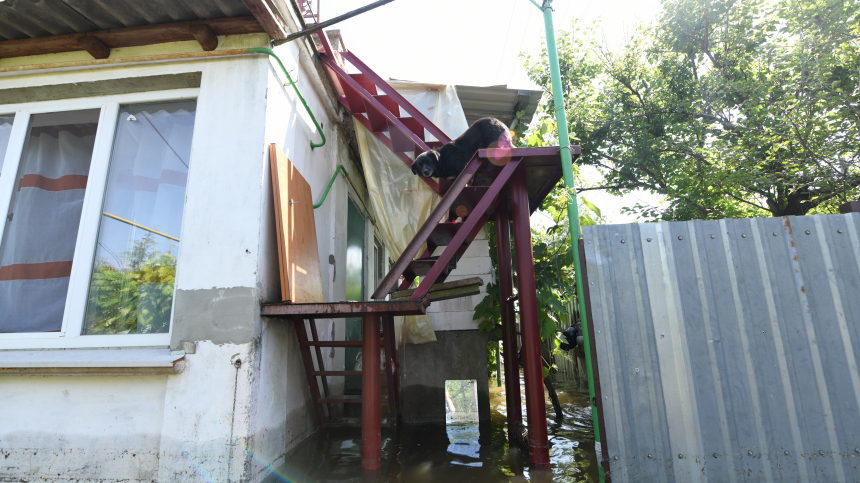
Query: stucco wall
[241, 400]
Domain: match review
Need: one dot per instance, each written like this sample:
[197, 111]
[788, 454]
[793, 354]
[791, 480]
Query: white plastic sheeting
[400, 200]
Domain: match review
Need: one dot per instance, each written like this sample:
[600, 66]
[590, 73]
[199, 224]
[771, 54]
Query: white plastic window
[131, 289]
[68, 165]
[42, 220]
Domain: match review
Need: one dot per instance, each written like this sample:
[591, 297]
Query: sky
[478, 42]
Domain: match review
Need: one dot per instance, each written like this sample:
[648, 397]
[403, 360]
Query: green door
[354, 290]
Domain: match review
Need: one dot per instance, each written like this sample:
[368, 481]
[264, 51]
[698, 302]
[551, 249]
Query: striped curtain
[42, 223]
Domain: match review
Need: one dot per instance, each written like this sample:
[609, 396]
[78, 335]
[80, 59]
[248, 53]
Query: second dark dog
[450, 159]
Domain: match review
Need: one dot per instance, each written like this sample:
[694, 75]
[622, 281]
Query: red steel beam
[509, 335]
[371, 422]
[404, 104]
[320, 363]
[426, 229]
[301, 335]
[474, 217]
[368, 98]
[529, 325]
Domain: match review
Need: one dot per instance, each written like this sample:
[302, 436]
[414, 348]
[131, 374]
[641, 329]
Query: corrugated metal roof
[499, 102]
[21, 19]
[728, 350]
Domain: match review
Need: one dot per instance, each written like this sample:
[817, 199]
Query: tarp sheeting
[400, 201]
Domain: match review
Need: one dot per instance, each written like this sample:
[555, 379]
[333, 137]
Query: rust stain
[787, 224]
[803, 289]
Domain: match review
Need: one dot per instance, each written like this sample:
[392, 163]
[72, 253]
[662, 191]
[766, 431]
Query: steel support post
[509, 329]
[371, 424]
[529, 325]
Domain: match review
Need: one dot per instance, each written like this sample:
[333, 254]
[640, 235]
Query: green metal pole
[572, 209]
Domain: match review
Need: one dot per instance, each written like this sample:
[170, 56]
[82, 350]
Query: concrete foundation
[424, 369]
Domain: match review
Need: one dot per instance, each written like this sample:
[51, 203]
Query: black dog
[450, 159]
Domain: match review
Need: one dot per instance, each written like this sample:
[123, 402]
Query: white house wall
[241, 400]
[281, 407]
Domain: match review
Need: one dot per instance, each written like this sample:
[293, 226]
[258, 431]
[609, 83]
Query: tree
[553, 258]
[134, 297]
[728, 108]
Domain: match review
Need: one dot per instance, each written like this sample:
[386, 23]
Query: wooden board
[298, 255]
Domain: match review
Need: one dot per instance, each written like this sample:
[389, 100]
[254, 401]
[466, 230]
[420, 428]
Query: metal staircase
[507, 184]
[408, 133]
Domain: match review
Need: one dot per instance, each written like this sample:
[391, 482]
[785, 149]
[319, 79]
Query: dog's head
[426, 164]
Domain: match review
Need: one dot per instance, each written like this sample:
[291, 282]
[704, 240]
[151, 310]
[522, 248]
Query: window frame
[69, 335]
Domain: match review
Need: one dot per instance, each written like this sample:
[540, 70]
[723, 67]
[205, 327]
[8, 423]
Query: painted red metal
[301, 334]
[426, 229]
[390, 366]
[404, 104]
[315, 338]
[509, 335]
[471, 222]
[529, 326]
[371, 101]
[371, 432]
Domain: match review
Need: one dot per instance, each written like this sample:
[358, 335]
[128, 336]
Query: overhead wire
[507, 34]
[520, 49]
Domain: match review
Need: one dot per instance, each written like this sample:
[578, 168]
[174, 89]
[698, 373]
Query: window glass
[42, 223]
[5, 130]
[131, 289]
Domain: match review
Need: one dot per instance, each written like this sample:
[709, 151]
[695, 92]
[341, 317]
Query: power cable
[507, 34]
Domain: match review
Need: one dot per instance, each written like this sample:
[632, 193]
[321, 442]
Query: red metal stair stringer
[469, 225]
[426, 229]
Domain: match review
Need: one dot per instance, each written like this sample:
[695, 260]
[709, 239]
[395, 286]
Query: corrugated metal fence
[728, 350]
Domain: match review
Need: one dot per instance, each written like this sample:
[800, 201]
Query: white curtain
[400, 200]
[42, 226]
[131, 290]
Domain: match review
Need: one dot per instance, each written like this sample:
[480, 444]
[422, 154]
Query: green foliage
[727, 108]
[135, 297]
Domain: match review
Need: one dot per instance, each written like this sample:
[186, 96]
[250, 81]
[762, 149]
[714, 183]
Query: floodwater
[457, 452]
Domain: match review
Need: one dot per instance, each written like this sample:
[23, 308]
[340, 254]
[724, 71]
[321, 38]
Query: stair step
[470, 282]
[413, 124]
[346, 399]
[378, 121]
[400, 141]
[365, 82]
[354, 102]
[389, 104]
[421, 266]
[488, 173]
[466, 201]
[443, 233]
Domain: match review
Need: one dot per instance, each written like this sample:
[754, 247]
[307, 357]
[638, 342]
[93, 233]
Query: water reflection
[454, 453]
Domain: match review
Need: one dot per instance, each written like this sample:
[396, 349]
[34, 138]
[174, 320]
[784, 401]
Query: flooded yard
[454, 453]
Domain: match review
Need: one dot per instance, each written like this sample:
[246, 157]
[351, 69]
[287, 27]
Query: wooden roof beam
[95, 47]
[130, 37]
[204, 35]
[267, 14]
